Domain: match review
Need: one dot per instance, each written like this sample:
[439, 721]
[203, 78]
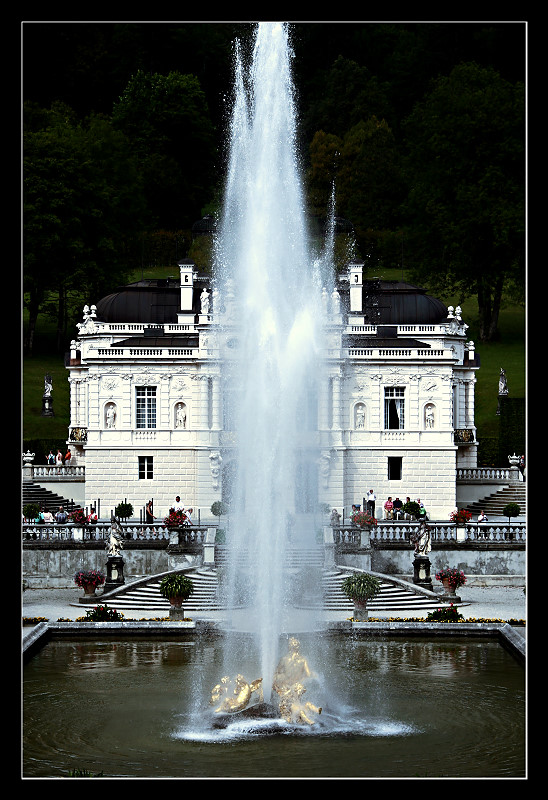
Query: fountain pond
[134, 707]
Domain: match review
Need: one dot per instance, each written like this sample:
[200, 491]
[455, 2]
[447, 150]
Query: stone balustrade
[385, 532]
[133, 531]
[48, 472]
[395, 532]
[487, 474]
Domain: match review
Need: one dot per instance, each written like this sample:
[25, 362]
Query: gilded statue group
[233, 695]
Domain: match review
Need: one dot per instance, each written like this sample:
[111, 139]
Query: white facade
[148, 418]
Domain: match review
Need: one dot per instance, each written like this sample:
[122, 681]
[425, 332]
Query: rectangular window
[394, 407]
[146, 472]
[394, 468]
[145, 415]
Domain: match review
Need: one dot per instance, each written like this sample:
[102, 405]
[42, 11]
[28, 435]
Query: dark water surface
[392, 708]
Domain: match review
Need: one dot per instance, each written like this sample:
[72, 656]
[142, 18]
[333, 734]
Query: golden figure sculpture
[290, 673]
[231, 696]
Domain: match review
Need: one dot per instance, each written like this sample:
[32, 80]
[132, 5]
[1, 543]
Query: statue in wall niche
[429, 416]
[111, 415]
[204, 300]
[360, 416]
[180, 415]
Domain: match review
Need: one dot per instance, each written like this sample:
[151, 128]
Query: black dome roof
[158, 302]
[399, 303]
[145, 301]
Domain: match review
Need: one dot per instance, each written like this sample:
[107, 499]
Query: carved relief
[215, 460]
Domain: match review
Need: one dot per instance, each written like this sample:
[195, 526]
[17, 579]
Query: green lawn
[35, 426]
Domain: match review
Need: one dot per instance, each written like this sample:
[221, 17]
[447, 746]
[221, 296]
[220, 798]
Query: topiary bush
[218, 508]
[123, 510]
[511, 510]
[360, 587]
[176, 585]
[31, 511]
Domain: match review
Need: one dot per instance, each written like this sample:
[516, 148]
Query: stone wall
[186, 473]
[368, 469]
[493, 561]
[53, 567]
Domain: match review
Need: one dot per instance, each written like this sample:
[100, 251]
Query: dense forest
[420, 127]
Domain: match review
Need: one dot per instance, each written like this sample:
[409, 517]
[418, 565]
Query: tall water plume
[270, 294]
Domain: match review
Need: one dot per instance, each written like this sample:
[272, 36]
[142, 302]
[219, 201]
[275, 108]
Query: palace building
[150, 418]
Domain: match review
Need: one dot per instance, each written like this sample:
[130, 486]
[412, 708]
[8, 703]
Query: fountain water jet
[271, 297]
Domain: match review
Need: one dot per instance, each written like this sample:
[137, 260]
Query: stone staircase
[392, 596]
[494, 503]
[145, 596]
[34, 493]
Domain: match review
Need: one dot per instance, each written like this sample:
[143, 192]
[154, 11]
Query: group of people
[393, 509]
[61, 517]
[59, 459]
[179, 506]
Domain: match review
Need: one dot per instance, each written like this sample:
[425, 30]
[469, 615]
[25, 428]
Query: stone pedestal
[209, 547]
[47, 406]
[360, 612]
[177, 613]
[115, 573]
[28, 458]
[421, 572]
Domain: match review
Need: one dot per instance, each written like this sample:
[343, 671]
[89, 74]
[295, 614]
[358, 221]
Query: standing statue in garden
[116, 534]
[422, 539]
